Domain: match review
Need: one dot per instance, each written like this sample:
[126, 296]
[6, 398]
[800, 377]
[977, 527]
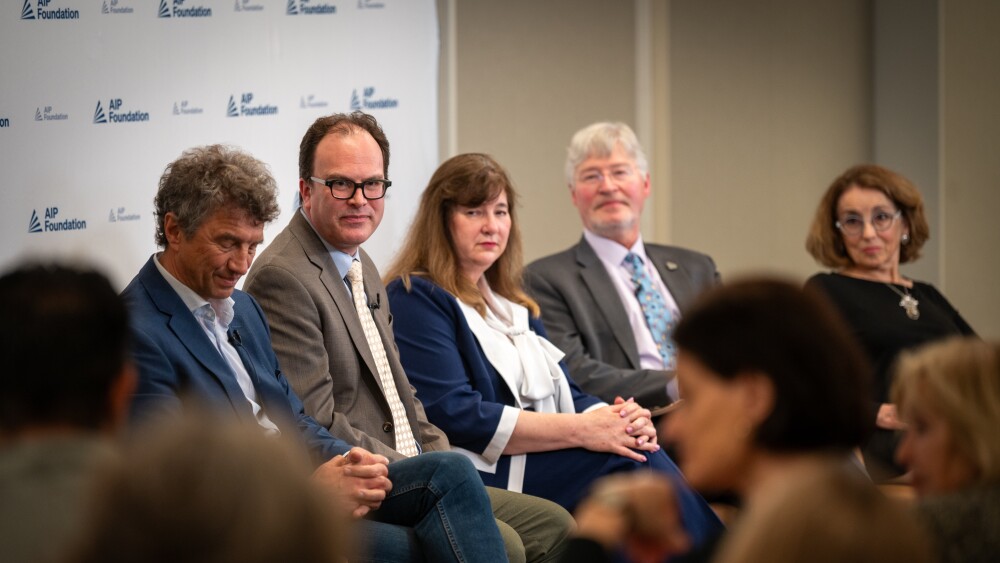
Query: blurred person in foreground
[826, 516]
[869, 222]
[200, 342]
[634, 516]
[65, 394]
[199, 490]
[948, 395]
[472, 345]
[773, 386]
[611, 301]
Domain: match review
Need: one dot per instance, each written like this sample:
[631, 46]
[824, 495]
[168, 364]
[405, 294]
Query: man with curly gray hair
[197, 340]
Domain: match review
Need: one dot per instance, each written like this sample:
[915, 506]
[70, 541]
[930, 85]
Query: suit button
[386, 427]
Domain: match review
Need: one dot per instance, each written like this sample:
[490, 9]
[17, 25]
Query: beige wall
[748, 110]
[970, 145]
[529, 74]
[769, 101]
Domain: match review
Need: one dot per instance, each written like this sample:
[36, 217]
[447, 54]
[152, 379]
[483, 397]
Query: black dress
[881, 326]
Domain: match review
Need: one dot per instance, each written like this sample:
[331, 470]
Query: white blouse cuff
[505, 429]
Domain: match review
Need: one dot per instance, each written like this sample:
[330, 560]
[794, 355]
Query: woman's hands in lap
[620, 428]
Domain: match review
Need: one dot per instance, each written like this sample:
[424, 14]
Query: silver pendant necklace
[908, 302]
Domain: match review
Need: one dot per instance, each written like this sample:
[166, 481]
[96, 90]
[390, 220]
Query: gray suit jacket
[321, 346]
[586, 320]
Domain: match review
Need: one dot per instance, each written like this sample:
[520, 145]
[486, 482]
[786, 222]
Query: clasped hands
[622, 428]
[359, 478]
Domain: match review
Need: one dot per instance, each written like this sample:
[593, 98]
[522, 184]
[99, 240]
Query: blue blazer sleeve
[461, 392]
[318, 439]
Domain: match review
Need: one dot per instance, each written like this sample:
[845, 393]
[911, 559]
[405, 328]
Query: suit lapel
[602, 289]
[672, 273]
[329, 276]
[191, 335]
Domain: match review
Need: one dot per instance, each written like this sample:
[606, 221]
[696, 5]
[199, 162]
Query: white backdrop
[97, 96]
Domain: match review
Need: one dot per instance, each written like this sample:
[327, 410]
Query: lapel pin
[671, 265]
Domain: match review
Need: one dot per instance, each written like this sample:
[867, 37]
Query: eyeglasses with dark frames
[342, 188]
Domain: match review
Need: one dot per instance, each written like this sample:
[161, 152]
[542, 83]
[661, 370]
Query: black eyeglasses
[342, 188]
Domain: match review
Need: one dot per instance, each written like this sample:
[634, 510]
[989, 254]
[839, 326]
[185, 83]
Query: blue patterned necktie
[658, 317]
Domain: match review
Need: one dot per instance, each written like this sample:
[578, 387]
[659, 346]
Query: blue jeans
[441, 499]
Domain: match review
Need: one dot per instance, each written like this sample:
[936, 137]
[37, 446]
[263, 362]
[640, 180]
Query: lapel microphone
[378, 302]
[234, 338]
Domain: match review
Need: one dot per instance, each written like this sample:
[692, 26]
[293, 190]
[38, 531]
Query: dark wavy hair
[794, 337]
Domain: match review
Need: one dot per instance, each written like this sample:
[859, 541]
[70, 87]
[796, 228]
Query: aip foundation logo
[368, 100]
[309, 8]
[117, 114]
[115, 7]
[178, 9]
[44, 10]
[247, 6]
[247, 108]
[46, 113]
[51, 221]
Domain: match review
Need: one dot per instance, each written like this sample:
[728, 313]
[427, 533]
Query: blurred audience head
[64, 338]
[825, 241]
[826, 516]
[204, 491]
[948, 394]
[764, 366]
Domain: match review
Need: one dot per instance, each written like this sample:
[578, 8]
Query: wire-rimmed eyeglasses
[854, 224]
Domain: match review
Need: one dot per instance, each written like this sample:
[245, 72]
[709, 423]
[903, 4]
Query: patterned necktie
[405, 443]
[658, 317]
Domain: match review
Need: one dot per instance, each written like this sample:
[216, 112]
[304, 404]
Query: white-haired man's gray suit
[585, 318]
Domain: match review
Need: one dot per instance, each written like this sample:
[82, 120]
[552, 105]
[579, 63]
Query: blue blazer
[464, 395]
[461, 391]
[178, 363]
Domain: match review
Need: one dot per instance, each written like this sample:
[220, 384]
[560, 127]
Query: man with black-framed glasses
[331, 325]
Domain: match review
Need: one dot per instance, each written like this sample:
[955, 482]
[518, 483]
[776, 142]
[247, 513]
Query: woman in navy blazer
[471, 343]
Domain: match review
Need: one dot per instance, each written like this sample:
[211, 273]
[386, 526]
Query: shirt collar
[341, 260]
[223, 307]
[610, 251]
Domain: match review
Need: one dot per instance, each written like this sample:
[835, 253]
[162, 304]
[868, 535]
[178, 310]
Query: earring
[906, 238]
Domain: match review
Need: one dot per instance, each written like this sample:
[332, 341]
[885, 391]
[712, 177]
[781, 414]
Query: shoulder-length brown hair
[825, 242]
[467, 180]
